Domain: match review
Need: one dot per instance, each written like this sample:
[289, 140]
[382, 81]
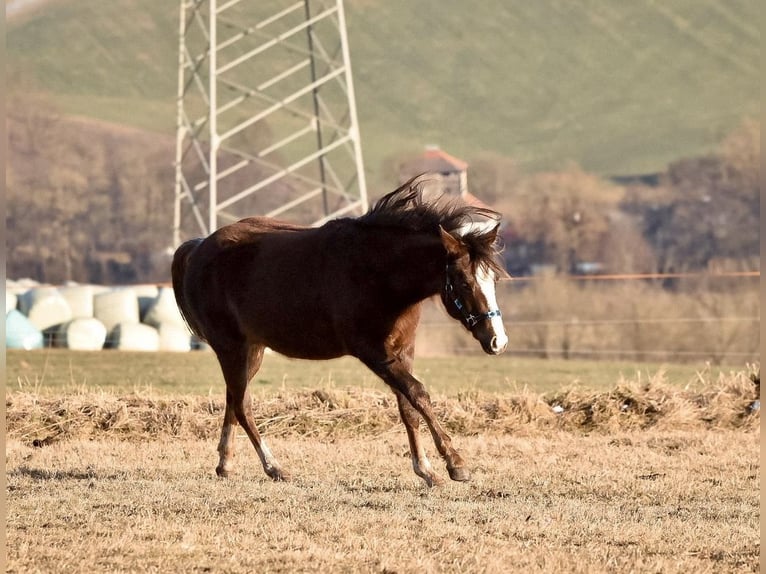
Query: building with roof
[446, 174]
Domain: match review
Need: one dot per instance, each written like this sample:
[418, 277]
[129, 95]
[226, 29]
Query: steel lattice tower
[266, 114]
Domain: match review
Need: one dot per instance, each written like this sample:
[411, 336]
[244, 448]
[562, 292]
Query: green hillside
[620, 87]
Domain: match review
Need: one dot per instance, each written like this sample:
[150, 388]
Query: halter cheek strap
[470, 319]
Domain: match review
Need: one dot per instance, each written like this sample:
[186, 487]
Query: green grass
[619, 87]
[197, 373]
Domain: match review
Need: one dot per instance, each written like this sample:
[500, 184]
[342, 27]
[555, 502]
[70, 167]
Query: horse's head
[469, 285]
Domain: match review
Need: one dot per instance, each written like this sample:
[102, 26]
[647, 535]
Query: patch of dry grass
[56, 371]
[645, 477]
[650, 501]
[723, 403]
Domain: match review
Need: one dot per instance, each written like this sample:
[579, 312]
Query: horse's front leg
[395, 373]
[420, 463]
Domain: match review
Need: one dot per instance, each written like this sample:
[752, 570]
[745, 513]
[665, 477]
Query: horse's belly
[306, 353]
[300, 341]
[306, 350]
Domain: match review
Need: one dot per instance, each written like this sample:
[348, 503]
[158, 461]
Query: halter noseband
[470, 319]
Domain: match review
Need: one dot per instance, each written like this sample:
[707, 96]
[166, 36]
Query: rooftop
[435, 159]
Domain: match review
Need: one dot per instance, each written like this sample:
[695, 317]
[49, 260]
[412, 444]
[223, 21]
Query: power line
[638, 276]
[570, 352]
[590, 322]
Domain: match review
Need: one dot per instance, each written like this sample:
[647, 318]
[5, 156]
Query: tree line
[700, 213]
[88, 203]
[84, 203]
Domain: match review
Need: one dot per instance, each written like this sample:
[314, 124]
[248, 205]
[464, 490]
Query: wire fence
[612, 317]
[712, 317]
[561, 340]
[642, 276]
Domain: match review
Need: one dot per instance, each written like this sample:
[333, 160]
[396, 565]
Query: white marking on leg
[226, 449]
[421, 465]
[267, 459]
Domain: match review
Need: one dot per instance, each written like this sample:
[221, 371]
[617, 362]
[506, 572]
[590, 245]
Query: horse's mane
[406, 208]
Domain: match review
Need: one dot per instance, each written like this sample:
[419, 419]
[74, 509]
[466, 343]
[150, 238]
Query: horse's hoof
[279, 475]
[434, 480]
[459, 474]
[223, 472]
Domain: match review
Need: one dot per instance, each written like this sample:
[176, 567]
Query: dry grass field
[59, 370]
[661, 501]
[644, 475]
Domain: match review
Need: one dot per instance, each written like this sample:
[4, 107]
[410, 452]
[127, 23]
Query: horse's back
[238, 281]
[249, 230]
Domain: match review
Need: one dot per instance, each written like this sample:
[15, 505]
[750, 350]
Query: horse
[354, 286]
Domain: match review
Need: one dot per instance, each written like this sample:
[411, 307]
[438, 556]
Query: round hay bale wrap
[20, 332]
[164, 310]
[146, 295]
[174, 337]
[11, 301]
[29, 297]
[82, 334]
[198, 344]
[134, 336]
[115, 307]
[80, 299]
[49, 309]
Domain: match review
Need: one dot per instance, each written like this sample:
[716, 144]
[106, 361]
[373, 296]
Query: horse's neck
[415, 266]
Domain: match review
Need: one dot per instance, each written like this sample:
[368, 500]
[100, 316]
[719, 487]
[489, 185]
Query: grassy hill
[620, 87]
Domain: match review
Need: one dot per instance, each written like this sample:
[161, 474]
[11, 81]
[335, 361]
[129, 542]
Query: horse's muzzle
[495, 346]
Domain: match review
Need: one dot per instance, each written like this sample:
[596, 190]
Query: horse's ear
[453, 245]
[492, 233]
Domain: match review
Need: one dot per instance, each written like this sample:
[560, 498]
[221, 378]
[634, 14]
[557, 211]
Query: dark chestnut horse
[351, 287]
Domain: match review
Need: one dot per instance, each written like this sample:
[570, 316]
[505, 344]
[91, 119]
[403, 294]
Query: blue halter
[470, 319]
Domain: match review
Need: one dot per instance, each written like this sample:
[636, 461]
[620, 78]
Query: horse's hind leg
[226, 444]
[238, 368]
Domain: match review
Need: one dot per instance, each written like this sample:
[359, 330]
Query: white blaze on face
[483, 226]
[485, 277]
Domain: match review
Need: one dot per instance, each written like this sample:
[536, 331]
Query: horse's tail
[178, 273]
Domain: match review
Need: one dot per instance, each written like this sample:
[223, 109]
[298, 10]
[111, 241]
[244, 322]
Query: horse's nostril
[497, 347]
